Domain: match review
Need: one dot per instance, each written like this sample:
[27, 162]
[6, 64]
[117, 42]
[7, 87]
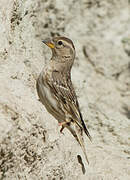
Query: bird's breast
[45, 89]
[47, 96]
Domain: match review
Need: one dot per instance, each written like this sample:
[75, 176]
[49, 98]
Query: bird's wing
[62, 88]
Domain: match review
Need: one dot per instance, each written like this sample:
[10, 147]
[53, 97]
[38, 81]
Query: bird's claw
[62, 124]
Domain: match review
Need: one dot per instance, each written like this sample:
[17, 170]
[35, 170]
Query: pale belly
[49, 101]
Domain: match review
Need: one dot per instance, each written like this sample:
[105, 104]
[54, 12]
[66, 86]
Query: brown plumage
[56, 91]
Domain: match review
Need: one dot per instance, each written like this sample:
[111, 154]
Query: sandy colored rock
[31, 146]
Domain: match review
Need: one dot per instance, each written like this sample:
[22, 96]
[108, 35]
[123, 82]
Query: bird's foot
[62, 129]
[62, 124]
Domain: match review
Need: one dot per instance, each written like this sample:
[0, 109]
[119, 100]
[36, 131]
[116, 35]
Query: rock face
[31, 146]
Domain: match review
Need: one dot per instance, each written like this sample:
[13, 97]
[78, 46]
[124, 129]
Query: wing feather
[64, 92]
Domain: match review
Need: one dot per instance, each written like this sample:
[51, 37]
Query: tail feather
[81, 141]
[84, 126]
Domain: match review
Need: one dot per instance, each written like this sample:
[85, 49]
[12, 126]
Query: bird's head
[62, 48]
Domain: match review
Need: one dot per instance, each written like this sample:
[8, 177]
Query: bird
[56, 91]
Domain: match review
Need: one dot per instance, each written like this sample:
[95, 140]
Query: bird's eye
[60, 43]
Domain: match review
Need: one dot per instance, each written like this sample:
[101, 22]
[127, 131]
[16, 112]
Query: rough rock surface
[31, 146]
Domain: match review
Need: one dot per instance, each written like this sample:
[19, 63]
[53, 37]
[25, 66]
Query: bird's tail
[80, 140]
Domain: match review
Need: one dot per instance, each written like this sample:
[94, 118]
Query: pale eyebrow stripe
[67, 40]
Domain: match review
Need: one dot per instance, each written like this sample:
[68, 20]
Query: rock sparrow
[56, 91]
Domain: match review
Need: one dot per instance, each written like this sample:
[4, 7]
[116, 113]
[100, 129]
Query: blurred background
[31, 146]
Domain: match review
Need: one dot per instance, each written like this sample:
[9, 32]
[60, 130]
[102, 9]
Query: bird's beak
[49, 43]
